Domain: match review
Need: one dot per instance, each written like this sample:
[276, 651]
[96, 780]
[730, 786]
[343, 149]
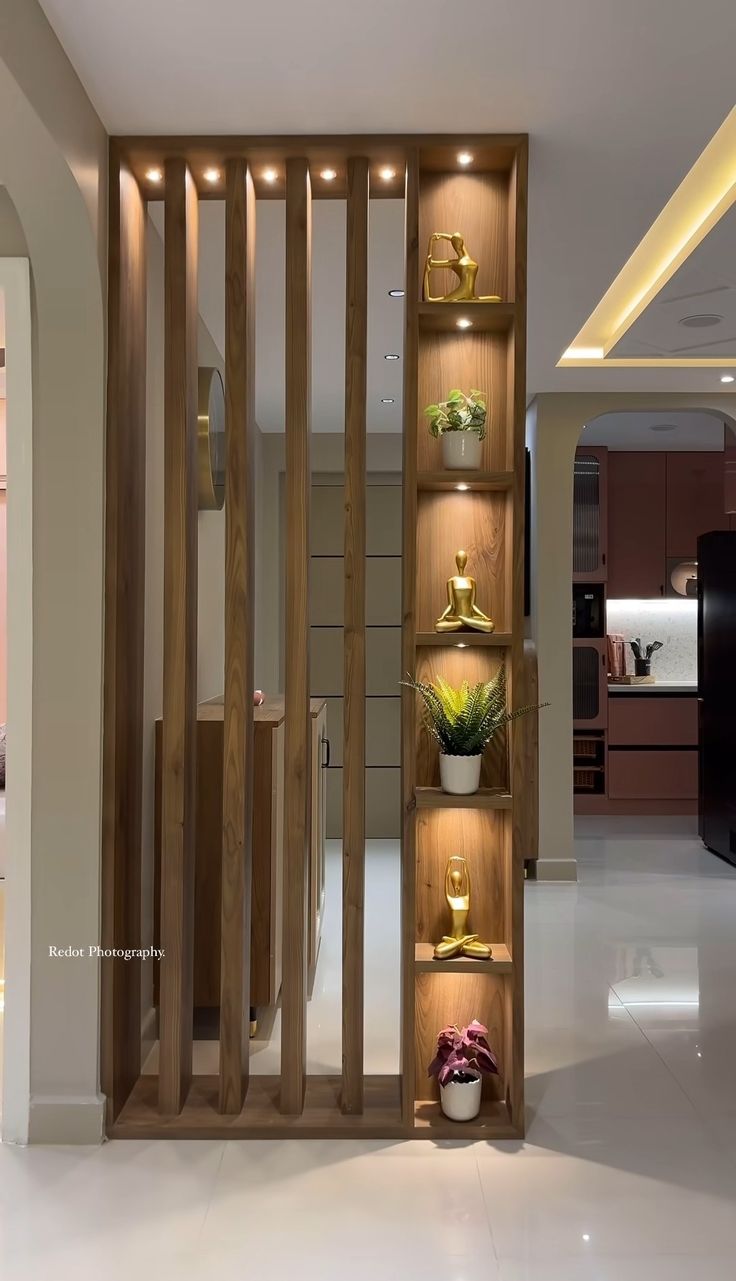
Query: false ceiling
[648, 432]
[618, 99]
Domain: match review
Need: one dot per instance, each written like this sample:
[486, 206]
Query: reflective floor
[629, 1171]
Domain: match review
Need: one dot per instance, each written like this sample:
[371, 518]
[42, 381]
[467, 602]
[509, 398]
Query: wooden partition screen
[475, 186]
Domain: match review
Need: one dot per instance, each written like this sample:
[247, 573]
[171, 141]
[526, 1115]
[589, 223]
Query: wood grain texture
[408, 620]
[447, 522]
[529, 728]
[268, 865]
[353, 774]
[476, 205]
[445, 998]
[297, 737]
[520, 785]
[317, 842]
[180, 635]
[120, 1036]
[237, 798]
[478, 836]
[466, 360]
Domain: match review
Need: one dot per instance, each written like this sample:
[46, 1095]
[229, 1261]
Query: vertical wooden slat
[124, 634]
[237, 798]
[297, 741]
[353, 840]
[519, 782]
[180, 635]
[408, 624]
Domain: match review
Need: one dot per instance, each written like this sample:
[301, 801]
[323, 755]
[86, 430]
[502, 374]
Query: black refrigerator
[717, 692]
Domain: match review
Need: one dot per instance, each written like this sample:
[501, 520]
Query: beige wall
[554, 424]
[54, 158]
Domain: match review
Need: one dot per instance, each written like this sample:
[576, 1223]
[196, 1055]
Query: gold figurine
[464, 267]
[457, 893]
[462, 611]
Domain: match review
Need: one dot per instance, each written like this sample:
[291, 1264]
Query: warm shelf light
[464, 323]
[464, 158]
[269, 175]
[386, 173]
[396, 293]
[391, 355]
[461, 645]
[154, 175]
[462, 488]
[212, 175]
[727, 378]
[328, 174]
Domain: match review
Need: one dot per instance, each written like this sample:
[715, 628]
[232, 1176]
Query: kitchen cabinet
[636, 524]
[695, 500]
[590, 518]
[652, 747]
[589, 684]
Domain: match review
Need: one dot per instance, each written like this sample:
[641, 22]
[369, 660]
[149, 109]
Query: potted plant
[463, 722]
[460, 423]
[463, 1057]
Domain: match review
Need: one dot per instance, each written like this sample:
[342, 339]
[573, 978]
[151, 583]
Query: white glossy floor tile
[628, 1172]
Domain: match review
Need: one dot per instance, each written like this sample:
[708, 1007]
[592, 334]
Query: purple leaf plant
[462, 1050]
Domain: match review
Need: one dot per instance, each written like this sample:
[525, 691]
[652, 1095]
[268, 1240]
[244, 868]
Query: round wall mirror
[210, 441]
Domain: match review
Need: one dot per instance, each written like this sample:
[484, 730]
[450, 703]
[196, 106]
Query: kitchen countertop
[659, 687]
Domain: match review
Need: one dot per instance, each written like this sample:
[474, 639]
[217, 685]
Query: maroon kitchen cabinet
[590, 515]
[695, 501]
[636, 524]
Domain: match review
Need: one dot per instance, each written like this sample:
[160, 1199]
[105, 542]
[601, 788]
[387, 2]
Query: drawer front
[656, 776]
[652, 722]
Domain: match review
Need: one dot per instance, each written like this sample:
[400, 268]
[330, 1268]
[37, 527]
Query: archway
[554, 425]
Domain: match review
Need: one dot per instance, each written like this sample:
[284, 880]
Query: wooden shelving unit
[482, 512]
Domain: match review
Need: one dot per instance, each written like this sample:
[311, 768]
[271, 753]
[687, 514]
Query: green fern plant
[464, 720]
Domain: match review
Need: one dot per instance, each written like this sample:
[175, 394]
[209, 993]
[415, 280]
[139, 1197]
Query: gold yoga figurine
[461, 610]
[457, 893]
[464, 267]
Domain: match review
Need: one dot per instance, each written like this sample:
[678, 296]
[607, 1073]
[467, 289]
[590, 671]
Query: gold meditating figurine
[457, 893]
[462, 611]
[464, 267]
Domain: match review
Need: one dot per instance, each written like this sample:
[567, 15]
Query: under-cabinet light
[464, 323]
[462, 487]
[212, 175]
[461, 645]
[328, 174]
[154, 175]
[269, 175]
[386, 173]
[464, 158]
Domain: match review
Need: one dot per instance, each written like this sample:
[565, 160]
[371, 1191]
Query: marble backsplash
[674, 622]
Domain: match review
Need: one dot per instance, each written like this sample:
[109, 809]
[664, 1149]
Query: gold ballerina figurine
[464, 267]
[457, 893]
[461, 610]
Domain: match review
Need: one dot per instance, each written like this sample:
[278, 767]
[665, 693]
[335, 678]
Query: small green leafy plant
[459, 413]
[464, 720]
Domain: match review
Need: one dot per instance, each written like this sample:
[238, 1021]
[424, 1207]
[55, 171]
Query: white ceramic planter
[460, 774]
[461, 450]
[460, 1100]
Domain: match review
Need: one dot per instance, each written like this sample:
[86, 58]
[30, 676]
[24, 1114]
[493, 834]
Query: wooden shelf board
[322, 1117]
[493, 1122]
[486, 317]
[493, 798]
[464, 639]
[486, 481]
[424, 961]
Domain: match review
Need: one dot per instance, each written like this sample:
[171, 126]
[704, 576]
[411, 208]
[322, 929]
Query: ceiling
[659, 431]
[618, 100]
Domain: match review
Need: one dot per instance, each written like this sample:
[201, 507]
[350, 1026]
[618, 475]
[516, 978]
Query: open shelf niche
[483, 513]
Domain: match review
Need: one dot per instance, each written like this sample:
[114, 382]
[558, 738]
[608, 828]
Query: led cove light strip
[705, 194]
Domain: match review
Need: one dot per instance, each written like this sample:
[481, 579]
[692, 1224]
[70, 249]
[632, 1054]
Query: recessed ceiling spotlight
[396, 293]
[464, 158]
[387, 400]
[212, 175]
[392, 355]
[702, 321]
[727, 378]
[464, 323]
[328, 174]
[154, 175]
[663, 427]
[462, 487]
[387, 173]
[269, 175]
